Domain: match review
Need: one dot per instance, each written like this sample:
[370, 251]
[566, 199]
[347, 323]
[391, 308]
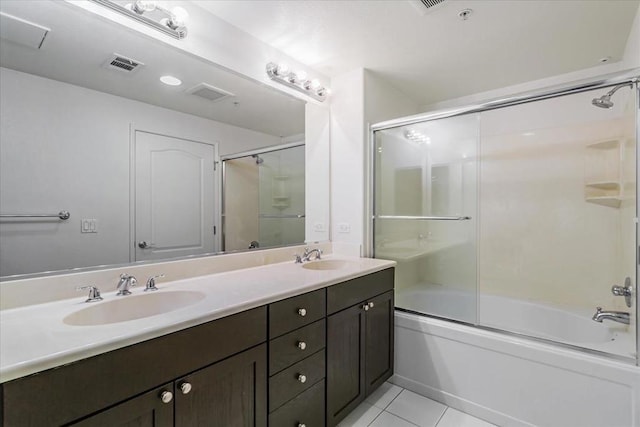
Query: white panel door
[174, 197]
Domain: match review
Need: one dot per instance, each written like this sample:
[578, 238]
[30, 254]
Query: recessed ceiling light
[171, 81]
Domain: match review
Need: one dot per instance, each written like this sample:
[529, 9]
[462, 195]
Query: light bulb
[180, 16]
[301, 76]
[282, 70]
[315, 83]
[142, 6]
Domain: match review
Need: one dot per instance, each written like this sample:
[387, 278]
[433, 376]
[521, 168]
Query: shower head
[602, 102]
[605, 100]
[259, 159]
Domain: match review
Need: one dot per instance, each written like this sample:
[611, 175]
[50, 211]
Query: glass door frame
[631, 76]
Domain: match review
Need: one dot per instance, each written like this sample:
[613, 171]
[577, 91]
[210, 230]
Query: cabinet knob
[302, 345]
[302, 312]
[302, 425]
[302, 378]
[371, 305]
[166, 396]
[365, 307]
[185, 388]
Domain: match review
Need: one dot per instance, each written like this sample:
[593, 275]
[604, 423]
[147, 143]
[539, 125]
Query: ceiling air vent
[209, 92]
[424, 6]
[122, 63]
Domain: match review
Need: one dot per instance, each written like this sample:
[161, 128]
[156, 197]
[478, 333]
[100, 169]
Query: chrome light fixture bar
[297, 80]
[173, 23]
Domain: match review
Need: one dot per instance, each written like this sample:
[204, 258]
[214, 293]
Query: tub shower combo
[514, 225]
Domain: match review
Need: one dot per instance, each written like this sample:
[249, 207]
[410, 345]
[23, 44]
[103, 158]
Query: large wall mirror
[137, 163]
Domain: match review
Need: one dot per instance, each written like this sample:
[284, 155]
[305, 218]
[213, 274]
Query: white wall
[48, 129]
[359, 98]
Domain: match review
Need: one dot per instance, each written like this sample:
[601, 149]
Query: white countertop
[35, 338]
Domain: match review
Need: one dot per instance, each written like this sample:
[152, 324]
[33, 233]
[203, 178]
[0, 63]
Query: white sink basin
[328, 264]
[132, 307]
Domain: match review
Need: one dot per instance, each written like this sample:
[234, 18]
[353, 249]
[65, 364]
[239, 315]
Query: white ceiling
[79, 43]
[434, 55]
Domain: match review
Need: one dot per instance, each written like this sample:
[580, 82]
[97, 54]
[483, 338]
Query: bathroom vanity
[271, 364]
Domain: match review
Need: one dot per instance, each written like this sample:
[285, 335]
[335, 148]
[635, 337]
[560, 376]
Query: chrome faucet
[616, 316]
[308, 252]
[125, 283]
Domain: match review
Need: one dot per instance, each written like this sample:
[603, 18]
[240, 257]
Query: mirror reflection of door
[174, 197]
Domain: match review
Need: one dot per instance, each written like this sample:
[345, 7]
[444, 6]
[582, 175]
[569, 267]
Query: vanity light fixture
[171, 81]
[297, 80]
[171, 22]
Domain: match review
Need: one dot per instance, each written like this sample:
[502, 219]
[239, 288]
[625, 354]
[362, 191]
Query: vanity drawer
[287, 384]
[351, 292]
[286, 350]
[306, 409]
[293, 313]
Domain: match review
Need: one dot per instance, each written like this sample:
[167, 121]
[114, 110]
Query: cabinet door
[345, 362]
[379, 341]
[231, 393]
[147, 410]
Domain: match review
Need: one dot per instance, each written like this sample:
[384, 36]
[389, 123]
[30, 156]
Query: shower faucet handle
[625, 291]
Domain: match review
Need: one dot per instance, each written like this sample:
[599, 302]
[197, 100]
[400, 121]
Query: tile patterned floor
[393, 406]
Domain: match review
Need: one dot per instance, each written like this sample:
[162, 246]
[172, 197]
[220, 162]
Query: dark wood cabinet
[345, 362]
[284, 364]
[379, 341]
[147, 410]
[231, 393]
[359, 342]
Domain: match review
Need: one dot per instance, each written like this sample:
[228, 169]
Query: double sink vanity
[280, 344]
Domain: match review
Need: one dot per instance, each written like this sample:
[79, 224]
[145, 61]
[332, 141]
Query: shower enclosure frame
[631, 76]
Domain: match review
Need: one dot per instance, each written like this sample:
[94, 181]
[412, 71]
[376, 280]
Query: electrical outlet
[344, 227]
[318, 227]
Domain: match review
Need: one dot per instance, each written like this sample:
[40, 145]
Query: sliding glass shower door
[520, 218]
[425, 205]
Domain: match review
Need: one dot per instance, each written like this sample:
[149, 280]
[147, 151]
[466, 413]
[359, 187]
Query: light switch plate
[89, 225]
[344, 227]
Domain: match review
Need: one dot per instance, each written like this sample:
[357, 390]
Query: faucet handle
[151, 283]
[94, 293]
[298, 259]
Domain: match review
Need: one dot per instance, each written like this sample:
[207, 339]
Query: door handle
[145, 245]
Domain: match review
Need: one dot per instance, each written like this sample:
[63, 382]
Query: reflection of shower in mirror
[259, 160]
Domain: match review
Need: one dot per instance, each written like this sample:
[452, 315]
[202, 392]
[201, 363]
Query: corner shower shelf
[604, 172]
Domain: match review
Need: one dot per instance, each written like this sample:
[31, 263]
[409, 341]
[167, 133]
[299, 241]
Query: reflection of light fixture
[297, 80]
[415, 136]
[172, 22]
[171, 81]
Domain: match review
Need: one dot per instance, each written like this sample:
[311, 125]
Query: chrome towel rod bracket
[63, 215]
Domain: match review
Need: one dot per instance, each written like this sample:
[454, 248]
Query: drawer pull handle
[185, 388]
[370, 305]
[302, 378]
[166, 396]
[365, 307]
[302, 312]
[302, 345]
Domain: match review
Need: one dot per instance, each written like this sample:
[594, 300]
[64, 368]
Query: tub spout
[616, 316]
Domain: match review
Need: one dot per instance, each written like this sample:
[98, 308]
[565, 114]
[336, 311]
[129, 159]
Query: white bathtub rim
[622, 372]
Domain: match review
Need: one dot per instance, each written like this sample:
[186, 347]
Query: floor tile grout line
[374, 420]
[392, 400]
[442, 416]
[404, 419]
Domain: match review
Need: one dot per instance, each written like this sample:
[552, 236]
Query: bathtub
[573, 327]
[510, 380]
